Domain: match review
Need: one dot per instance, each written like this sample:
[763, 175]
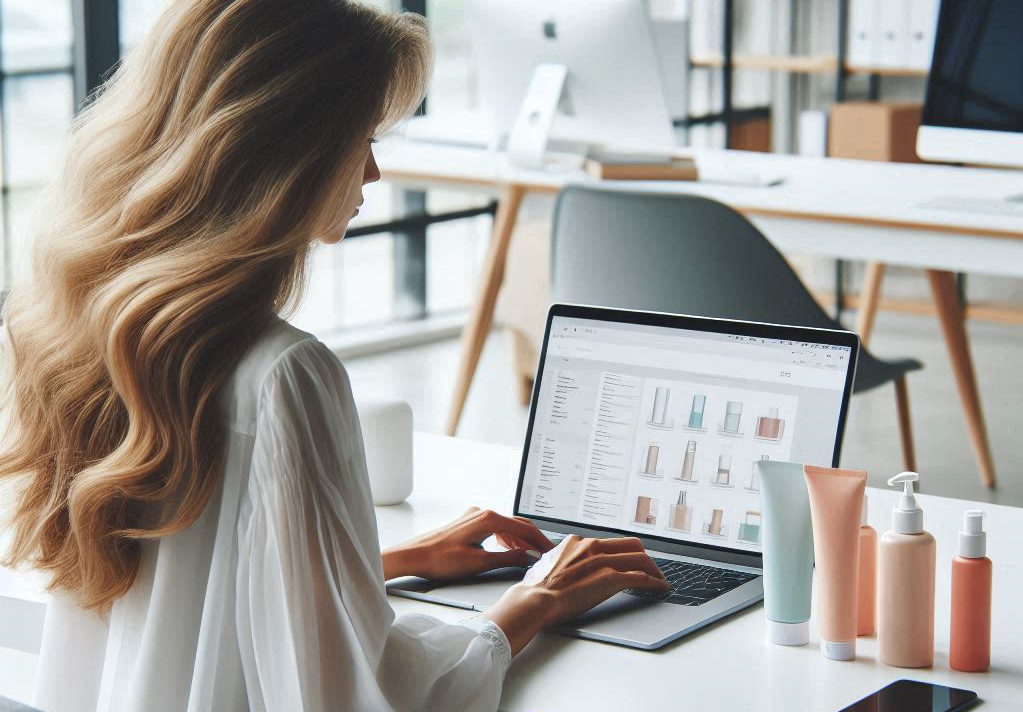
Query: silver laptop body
[647, 424]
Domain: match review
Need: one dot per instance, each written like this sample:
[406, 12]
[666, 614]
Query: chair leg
[869, 297]
[523, 358]
[525, 388]
[905, 427]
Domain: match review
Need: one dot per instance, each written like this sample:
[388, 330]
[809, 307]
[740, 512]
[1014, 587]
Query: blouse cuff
[490, 631]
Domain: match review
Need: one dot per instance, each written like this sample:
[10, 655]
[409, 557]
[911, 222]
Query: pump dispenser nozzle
[973, 539]
[907, 518]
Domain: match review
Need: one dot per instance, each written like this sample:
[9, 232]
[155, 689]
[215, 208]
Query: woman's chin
[334, 237]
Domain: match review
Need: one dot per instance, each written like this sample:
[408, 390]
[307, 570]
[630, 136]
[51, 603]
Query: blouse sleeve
[316, 631]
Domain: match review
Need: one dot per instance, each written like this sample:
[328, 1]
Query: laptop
[649, 424]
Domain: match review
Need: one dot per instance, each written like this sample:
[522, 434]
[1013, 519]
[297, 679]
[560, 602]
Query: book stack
[640, 167]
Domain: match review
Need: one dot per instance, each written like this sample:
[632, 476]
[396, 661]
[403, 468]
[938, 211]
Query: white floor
[424, 376]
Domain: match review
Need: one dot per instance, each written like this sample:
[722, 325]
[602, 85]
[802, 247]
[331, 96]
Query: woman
[189, 466]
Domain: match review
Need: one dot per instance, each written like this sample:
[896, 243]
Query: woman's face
[350, 198]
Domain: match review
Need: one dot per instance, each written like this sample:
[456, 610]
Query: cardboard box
[752, 135]
[874, 131]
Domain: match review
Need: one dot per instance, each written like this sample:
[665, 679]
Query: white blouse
[273, 600]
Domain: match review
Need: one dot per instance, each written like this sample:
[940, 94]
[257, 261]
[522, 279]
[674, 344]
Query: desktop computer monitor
[613, 92]
[974, 107]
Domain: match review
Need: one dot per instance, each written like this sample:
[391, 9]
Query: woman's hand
[455, 551]
[587, 572]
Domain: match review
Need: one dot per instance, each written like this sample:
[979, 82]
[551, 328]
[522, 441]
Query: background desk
[726, 666]
[856, 210]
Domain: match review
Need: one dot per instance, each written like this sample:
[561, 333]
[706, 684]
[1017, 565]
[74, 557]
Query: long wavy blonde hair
[180, 225]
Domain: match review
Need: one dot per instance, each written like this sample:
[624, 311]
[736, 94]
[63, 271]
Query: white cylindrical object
[696, 413]
[839, 650]
[733, 411]
[788, 633]
[387, 438]
[652, 451]
[972, 538]
[724, 474]
[660, 409]
[687, 461]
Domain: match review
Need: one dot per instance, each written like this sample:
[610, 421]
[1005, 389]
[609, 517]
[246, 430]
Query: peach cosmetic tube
[836, 498]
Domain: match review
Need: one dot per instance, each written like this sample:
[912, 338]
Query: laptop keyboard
[691, 584]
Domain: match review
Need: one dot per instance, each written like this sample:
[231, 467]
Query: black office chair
[691, 255]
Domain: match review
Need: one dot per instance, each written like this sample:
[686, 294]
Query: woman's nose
[371, 172]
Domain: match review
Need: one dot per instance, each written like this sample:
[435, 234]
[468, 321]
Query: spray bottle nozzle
[907, 517]
[973, 521]
[972, 539]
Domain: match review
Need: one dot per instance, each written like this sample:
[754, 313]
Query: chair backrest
[673, 253]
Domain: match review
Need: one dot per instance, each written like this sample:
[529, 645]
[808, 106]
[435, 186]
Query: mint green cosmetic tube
[788, 551]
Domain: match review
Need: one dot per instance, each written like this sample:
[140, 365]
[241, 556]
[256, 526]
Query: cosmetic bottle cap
[772, 413]
[788, 633]
[863, 512]
[838, 650]
[907, 518]
[973, 538]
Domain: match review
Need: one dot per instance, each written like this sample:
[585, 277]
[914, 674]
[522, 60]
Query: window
[36, 106]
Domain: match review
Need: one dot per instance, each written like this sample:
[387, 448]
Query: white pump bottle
[905, 605]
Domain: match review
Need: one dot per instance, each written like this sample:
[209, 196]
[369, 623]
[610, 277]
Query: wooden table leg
[953, 323]
[478, 326]
[869, 296]
[905, 423]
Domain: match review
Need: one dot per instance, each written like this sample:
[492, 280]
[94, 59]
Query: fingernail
[534, 555]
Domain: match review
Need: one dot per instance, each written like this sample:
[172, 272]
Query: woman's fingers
[509, 541]
[618, 545]
[626, 561]
[490, 522]
[638, 579]
[490, 560]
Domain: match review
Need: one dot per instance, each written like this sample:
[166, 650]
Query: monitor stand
[529, 140]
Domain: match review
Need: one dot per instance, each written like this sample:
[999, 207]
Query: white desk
[856, 210]
[726, 666]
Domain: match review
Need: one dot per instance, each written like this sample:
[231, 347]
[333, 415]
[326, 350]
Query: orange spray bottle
[970, 640]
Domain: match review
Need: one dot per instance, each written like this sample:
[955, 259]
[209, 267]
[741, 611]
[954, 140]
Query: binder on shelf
[705, 28]
[893, 26]
[923, 20]
[862, 41]
[669, 10]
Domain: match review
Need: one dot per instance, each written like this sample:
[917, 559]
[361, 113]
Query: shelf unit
[804, 64]
[728, 62]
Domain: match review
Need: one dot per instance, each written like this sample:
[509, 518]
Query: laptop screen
[654, 430]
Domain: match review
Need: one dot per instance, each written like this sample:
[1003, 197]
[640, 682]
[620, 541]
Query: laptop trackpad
[482, 590]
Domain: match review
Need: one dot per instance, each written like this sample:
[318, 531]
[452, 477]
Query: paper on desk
[543, 566]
